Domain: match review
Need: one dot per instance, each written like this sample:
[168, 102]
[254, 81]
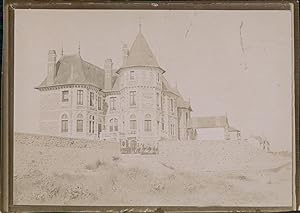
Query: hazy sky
[239, 62]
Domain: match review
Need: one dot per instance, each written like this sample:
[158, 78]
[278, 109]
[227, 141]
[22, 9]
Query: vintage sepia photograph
[153, 107]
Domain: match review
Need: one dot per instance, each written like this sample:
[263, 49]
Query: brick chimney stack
[108, 74]
[51, 66]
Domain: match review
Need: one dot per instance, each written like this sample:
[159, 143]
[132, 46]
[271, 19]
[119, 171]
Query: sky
[234, 62]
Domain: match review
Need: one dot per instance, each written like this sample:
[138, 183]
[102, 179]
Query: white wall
[210, 134]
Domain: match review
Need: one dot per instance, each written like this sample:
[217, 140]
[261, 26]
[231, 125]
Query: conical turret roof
[140, 53]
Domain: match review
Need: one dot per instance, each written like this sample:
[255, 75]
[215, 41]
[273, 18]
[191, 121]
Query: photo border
[7, 94]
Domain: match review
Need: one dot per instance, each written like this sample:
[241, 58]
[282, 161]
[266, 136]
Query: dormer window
[132, 75]
[65, 96]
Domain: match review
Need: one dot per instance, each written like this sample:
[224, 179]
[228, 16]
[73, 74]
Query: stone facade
[80, 100]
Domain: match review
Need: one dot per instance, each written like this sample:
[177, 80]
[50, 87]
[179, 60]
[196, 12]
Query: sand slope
[51, 170]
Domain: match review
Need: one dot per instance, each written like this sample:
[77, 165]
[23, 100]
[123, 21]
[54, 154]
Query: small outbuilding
[214, 128]
[233, 133]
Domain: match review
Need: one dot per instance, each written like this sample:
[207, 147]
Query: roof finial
[140, 25]
[79, 48]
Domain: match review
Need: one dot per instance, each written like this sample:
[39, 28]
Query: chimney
[51, 66]
[108, 74]
[125, 53]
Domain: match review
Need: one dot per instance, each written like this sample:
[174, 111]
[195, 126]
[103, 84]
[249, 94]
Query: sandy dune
[50, 170]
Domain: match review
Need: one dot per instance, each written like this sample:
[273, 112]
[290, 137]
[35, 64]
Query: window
[132, 98]
[186, 117]
[158, 79]
[132, 122]
[79, 124]
[157, 99]
[92, 124]
[99, 129]
[172, 105]
[113, 103]
[172, 129]
[113, 125]
[64, 123]
[132, 75]
[92, 99]
[99, 103]
[147, 123]
[80, 97]
[65, 96]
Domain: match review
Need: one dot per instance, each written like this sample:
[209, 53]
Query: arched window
[79, 123]
[113, 124]
[132, 121]
[147, 126]
[64, 123]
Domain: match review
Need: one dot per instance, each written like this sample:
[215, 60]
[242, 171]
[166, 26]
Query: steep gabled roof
[181, 103]
[72, 69]
[209, 122]
[167, 87]
[140, 53]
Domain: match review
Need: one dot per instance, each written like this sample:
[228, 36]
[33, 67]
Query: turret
[125, 53]
[51, 66]
[108, 74]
